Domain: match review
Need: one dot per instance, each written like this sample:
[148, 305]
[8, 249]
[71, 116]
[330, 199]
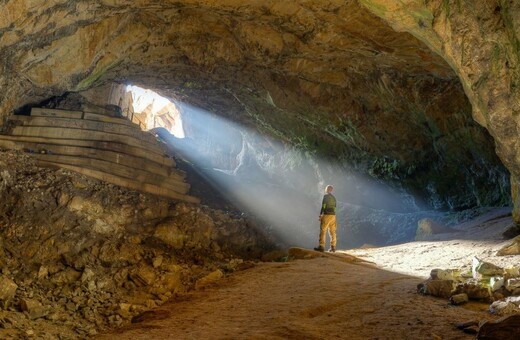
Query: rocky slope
[78, 256]
[335, 78]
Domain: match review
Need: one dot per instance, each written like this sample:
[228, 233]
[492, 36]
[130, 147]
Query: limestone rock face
[481, 44]
[366, 82]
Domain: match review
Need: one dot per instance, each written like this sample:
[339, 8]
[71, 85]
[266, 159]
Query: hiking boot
[332, 249]
[319, 249]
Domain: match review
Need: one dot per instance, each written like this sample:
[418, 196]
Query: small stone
[513, 271]
[209, 279]
[427, 227]
[70, 306]
[87, 275]
[496, 282]
[43, 272]
[143, 276]
[459, 299]
[157, 262]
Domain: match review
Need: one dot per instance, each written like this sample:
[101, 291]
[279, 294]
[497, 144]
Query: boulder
[505, 328]
[473, 290]
[428, 227]
[66, 277]
[171, 235]
[7, 290]
[34, 308]
[512, 248]
[507, 306]
[143, 276]
[439, 288]
[496, 282]
[513, 284]
[513, 271]
[209, 279]
[481, 268]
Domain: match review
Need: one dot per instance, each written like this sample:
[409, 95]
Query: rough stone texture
[505, 328]
[428, 227]
[511, 249]
[209, 279]
[507, 306]
[486, 269]
[327, 76]
[439, 288]
[7, 290]
[459, 299]
[62, 278]
[481, 43]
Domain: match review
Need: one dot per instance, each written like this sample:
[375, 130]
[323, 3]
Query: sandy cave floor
[327, 297]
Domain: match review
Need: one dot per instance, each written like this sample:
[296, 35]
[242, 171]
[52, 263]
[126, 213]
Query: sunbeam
[283, 186]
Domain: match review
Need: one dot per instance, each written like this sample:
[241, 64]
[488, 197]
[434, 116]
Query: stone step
[123, 182]
[43, 112]
[99, 145]
[118, 170]
[82, 134]
[89, 152]
[72, 123]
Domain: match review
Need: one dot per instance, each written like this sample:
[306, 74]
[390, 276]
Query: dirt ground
[326, 297]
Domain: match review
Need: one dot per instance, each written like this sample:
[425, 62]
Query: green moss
[385, 168]
[95, 75]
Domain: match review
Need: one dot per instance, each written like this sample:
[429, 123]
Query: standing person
[328, 220]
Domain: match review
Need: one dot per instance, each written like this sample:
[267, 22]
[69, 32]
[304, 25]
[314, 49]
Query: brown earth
[330, 297]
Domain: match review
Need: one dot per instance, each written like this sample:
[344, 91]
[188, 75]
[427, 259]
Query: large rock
[7, 290]
[473, 290]
[480, 42]
[439, 288]
[209, 279]
[512, 248]
[428, 227]
[505, 328]
[33, 308]
[507, 306]
[171, 234]
[481, 268]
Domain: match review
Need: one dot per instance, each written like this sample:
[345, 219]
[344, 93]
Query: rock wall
[481, 43]
[328, 76]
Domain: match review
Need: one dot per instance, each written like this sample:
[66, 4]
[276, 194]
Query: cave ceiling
[362, 81]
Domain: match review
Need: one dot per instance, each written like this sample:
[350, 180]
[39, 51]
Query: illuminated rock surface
[369, 83]
[423, 95]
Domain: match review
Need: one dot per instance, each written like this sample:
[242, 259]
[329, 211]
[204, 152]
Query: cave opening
[155, 111]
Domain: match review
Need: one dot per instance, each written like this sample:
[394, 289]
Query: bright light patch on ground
[155, 111]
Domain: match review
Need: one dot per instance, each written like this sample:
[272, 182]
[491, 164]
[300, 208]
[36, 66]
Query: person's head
[329, 188]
